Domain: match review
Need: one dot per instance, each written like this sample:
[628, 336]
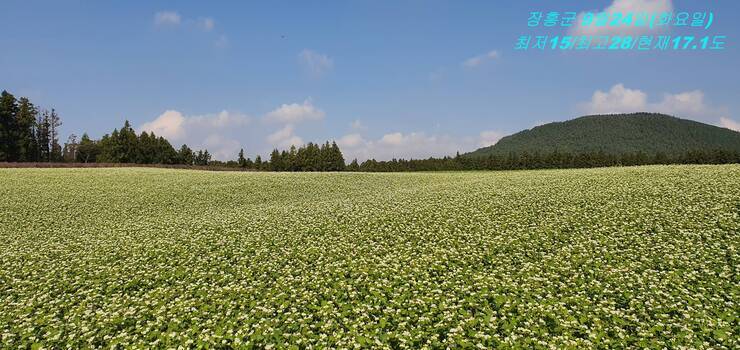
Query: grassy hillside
[616, 134]
[640, 257]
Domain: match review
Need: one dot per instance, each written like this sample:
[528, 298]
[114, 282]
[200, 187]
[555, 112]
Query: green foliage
[554, 160]
[8, 133]
[649, 133]
[123, 146]
[88, 150]
[27, 134]
[309, 157]
[641, 257]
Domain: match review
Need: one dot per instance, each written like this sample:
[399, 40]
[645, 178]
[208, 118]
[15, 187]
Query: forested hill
[648, 133]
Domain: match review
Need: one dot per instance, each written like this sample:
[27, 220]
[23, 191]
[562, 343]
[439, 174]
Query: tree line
[27, 132]
[553, 160]
[31, 134]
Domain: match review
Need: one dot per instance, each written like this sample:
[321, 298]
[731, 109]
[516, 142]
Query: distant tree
[128, 143]
[88, 150]
[337, 159]
[258, 162]
[202, 158]
[185, 155]
[241, 160]
[55, 149]
[353, 166]
[42, 137]
[69, 152]
[276, 161]
[8, 129]
[166, 154]
[147, 149]
[25, 122]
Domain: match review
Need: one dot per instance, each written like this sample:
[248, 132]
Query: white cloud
[169, 124]
[294, 113]
[315, 64]
[210, 131]
[489, 137]
[731, 124]
[174, 126]
[220, 147]
[623, 7]
[480, 59]
[284, 138]
[415, 145]
[167, 18]
[357, 125]
[396, 138]
[619, 99]
[206, 24]
[689, 103]
[350, 140]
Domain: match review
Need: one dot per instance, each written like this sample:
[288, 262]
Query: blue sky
[383, 78]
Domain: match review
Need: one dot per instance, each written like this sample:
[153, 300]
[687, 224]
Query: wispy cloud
[316, 64]
[476, 61]
[412, 145]
[689, 104]
[357, 125]
[729, 123]
[295, 113]
[206, 24]
[167, 18]
[285, 137]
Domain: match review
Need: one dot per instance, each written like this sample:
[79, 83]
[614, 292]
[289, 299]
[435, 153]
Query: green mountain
[617, 134]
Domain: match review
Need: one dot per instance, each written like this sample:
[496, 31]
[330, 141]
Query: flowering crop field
[156, 258]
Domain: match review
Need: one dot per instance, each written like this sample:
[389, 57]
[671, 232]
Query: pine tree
[241, 160]
[55, 149]
[206, 157]
[166, 154]
[276, 161]
[25, 124]
[42, 136]
[337, 159]
[185, 155]
[8, 128]
[353, 166]
[258, 162]
[88, 150]
[128, 143]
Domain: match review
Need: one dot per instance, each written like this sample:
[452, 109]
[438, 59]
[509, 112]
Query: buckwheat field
[155, 258]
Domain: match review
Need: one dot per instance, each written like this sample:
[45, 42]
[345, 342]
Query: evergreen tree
[128, 143]
[88, 150]
[110, 149]
[55, 149]
[42, 137]
[258, 162]
[276, 161]
[337, 159]
[8, 129]
[148, 152]
[185, 155]
[241, 160]
[25, 125]
[353, 166]
[166, 154]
